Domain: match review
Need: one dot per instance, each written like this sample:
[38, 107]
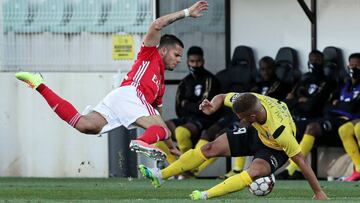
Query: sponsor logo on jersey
[273, 161]
[238, 131]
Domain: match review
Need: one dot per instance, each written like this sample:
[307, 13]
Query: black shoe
[284, 175]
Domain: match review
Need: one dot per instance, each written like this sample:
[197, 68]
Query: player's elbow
[157, 24]
[88, 128]
[299, 159]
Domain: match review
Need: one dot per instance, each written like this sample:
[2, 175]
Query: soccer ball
[262, 186]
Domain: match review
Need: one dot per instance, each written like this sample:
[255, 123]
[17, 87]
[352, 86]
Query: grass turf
[138, 190]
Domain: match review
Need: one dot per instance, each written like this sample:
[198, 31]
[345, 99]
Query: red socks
[154, 134]
[61, 107]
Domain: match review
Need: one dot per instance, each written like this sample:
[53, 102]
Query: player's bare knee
[313, 129]
[168, 133]
[206, 150]
[209, 151]
[86, 127]
[254, 173]
[259, 168]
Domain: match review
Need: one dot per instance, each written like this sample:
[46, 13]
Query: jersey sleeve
[285, 138]
[230, 98]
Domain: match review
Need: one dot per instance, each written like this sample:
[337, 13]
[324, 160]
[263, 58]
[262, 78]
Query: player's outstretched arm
[152, 38]
[308, 173]
[210, 107]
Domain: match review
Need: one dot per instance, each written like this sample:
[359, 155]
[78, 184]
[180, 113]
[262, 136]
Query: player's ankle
[157, 173]
[204, 195]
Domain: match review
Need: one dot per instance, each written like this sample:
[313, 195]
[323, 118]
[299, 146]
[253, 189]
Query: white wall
[338, 25]
[268, 25]
[35, 142]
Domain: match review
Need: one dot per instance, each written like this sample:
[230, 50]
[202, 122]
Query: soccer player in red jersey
[138, 100]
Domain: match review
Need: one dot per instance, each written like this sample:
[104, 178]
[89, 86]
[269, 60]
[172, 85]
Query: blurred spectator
[348, 106]
[306, 102]
[269, 84]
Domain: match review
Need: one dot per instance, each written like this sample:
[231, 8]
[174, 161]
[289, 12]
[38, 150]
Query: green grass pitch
[140, 190]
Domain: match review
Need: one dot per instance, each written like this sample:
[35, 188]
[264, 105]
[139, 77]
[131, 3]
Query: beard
[168, 68]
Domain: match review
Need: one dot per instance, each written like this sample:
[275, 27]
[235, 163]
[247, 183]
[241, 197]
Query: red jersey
[147, 75]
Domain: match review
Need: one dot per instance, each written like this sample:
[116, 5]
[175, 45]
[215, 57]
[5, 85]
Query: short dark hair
[267, 60]
[245, 102]
[195, 50]
[354, 56]
[170, 40]
[316, 52]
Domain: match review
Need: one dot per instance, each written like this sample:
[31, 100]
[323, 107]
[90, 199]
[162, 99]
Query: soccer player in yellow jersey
[270, 139]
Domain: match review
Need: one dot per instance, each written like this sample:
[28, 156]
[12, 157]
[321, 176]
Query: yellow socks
[357, 132]
[232, 184]
[351, 147]
[201, 143]
[306, 145]
[239, 163]
[170, 158]
[204, 165]
[183, 138]
[190, 160]
[357, 135]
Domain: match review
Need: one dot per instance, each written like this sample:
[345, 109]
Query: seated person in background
[269, 84]
[198, 85]
[269, 136]
[306, 103]
[348, 105]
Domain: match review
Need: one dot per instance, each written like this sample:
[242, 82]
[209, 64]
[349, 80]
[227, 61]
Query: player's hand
[290, 96]
[320, 196]
[206, 107]
[303, 99]
[196, 9]
[175, 151]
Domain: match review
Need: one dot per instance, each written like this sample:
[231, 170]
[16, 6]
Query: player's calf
[64, 109]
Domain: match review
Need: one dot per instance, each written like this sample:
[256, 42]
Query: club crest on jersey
[234, 97]
[264, 90]
[156, 81]
[312, 88]
[197, 90]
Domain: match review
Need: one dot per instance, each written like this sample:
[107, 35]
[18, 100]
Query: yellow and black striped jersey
[279, 130]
